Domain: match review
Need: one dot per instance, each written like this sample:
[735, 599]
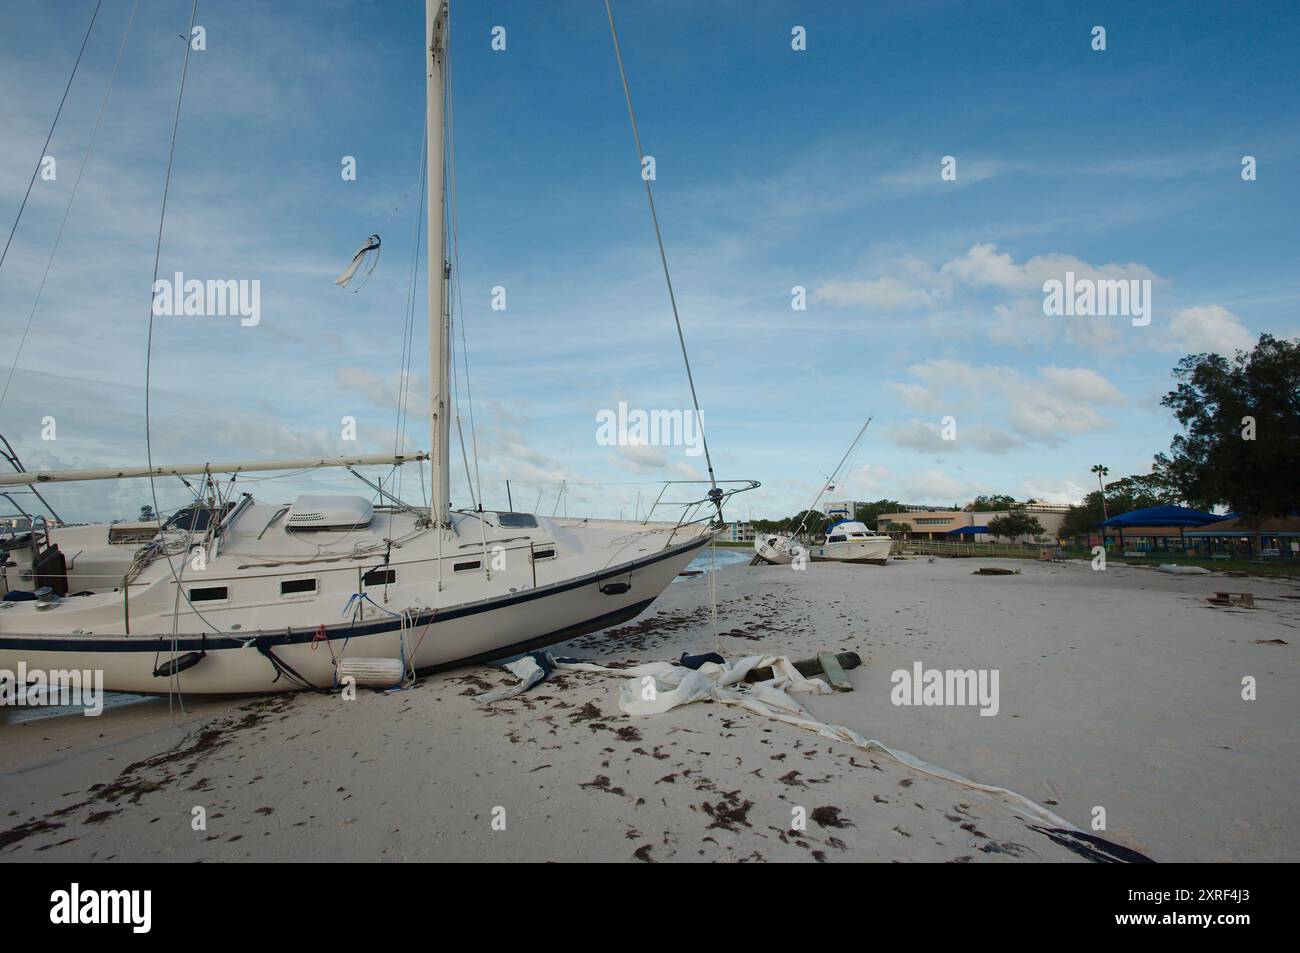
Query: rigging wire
[148, 354]
[714, 494]
[832, 478]
[50, 135]
[404, 392]
[22, 342]
[157, 255]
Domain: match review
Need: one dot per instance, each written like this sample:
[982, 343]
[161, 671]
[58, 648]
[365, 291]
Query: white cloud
[930, 485]
[880, 294]
[646, 460]
[1208, 328]
[383, 389]
[959, 290]
[1051, 491]
[984, 265]
[927, 436]
[1082, 383]
[1045, 408]
[922, 435]
[915, 396]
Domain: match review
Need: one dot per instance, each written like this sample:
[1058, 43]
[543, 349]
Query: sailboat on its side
[291, 595]
[847, 541]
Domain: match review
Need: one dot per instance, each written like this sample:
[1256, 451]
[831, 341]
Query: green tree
[870, 513]
[1241, 422]
[986, 504]
[1080, 518]
[1016, 523]
[812, 521]
[1122, 496]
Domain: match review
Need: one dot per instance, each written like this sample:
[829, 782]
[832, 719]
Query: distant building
[740, 531]
[841, 511]
[939, 523]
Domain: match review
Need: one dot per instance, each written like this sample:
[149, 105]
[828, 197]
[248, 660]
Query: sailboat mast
[436, 29]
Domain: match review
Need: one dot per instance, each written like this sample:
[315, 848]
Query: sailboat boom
[30, 477]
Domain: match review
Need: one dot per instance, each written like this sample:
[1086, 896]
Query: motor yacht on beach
[849, 541]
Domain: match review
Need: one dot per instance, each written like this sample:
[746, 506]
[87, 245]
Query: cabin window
[835, 539]
[466, 567]
[297, 587]
[209, 594]
[547, 553]
[379, 577]
[517, 520]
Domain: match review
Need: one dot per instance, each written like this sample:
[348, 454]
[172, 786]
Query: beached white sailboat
[231, 595]
[845, 541]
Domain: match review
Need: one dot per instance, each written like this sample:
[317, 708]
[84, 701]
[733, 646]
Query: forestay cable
[148, 353]
[714, 493]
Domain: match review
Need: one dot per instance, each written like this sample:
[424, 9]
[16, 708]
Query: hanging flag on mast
[371, 245]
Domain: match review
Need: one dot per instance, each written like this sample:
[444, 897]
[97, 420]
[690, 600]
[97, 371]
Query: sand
[1118, 689]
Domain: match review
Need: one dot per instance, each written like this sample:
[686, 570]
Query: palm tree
[1102, 471]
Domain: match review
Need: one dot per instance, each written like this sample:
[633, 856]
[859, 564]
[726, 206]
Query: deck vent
[329, 512]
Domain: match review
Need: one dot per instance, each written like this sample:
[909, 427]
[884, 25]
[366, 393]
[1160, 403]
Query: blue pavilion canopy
[968, 530]
[1162, 516]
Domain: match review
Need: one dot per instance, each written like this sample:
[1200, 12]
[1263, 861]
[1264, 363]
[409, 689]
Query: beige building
[937, 523]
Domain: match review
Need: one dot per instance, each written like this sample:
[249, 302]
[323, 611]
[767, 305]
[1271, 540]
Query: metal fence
[924, 547]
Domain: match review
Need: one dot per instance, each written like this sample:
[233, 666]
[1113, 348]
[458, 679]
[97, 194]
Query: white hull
[875, 550]
[600, 574]
[260, 598]
[778, 550]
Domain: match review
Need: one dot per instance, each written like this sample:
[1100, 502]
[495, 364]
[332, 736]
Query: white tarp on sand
[660, 686]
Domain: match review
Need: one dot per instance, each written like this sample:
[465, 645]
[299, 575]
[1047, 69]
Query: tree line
[1240, 448]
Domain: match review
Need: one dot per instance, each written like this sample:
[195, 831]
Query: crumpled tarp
[530, 669]
[659, 687]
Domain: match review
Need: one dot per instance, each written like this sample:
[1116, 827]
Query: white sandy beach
[1119, 689]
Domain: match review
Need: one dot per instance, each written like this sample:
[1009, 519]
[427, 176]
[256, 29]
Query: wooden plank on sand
[834, 674]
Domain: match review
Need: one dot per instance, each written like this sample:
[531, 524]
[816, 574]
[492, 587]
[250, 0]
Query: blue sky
[775, 168]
